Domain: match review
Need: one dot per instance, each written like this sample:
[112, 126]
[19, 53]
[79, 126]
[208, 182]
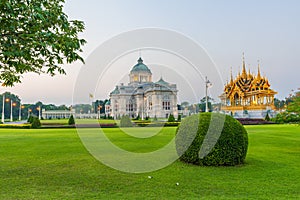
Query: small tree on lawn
[267, 118]
[138, 117]
[71, 120]
[36, 123]
[171, 118]
[125, 121]
[179, 118]
[30, 119]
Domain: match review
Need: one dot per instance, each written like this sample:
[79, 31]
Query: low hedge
[157, 124]
[141, 121]
[113, 125]
[250, 121]
[18, 126]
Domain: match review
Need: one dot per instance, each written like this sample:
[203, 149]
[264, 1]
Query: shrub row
[250, 121]
[113, 125]
[18, 126]
[286, 117]
[157, 124]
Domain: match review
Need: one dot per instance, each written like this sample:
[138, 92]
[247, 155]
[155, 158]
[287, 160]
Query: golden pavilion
[248, 95]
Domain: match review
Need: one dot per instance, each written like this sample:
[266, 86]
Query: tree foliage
[36, 36]
[30, 119]
[179, 118]
[286, 117]
[99, 105]
[279, 104]
[71, 120]
[294, 105]
[267, 118]
[125, 121]
[36, 123]
[202, 104]
[171, 118]
[82, 108]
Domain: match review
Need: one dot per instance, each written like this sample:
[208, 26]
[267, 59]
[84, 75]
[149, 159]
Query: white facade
[57, 114]
[142, 97]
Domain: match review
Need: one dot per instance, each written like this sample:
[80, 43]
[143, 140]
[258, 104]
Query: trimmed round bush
[211, 139]
[125, 122]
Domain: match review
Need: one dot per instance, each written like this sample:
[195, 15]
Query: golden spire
[249, 73]
[244, 73]
[231, 77]
[267, 81]
[258, 73]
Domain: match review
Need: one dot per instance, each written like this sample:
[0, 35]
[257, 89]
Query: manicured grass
[53, 164]
[78, 121]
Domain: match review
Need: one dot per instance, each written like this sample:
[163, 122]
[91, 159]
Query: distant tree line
[26, 109]
[290, 109]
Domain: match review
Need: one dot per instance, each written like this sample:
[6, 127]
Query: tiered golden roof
[248, 92]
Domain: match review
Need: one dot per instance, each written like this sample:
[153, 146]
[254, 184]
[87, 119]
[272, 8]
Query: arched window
[150, 103]
[237, 99]
[130, 105]
[166, 103]
[116, 106]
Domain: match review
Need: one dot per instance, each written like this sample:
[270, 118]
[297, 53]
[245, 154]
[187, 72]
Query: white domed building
[142, 97]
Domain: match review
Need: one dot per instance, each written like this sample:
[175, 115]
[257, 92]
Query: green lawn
[53, 164]
[78, 121]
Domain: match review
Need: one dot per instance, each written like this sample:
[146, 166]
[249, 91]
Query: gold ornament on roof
[247, 91]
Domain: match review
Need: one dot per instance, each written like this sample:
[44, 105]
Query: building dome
[140, 73]
[140, 67]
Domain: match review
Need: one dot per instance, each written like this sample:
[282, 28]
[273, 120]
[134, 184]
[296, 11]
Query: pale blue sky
[265, 30]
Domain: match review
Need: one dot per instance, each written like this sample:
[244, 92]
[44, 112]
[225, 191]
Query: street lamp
[3, 106]
[99, 111]
[3, 102]
[207, 85]
[39, 109]
[6, 100]
[29, 112]
[20, 111]
[12, 104]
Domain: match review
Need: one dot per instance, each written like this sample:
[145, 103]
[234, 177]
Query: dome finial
[140, 60]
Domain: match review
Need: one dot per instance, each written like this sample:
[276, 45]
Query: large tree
[279, 104]
[202, 105]
[36, 36]
[294, 105]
